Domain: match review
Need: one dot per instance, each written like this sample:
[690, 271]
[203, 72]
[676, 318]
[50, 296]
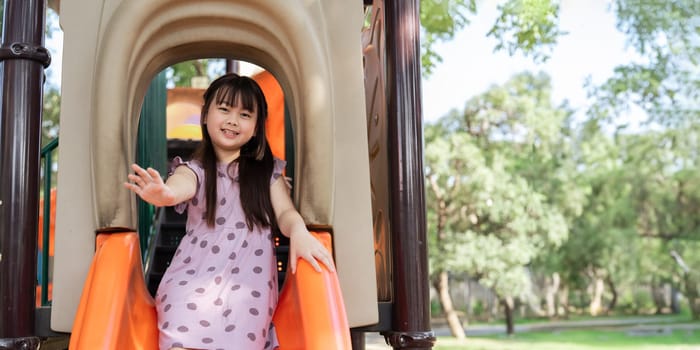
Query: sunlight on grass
[578, 340]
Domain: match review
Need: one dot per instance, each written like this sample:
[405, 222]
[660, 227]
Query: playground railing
[48, 201]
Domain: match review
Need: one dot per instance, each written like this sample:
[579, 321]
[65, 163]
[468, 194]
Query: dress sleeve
[277, 170]
[176, 162]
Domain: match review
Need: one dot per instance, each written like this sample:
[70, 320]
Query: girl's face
[230, 127]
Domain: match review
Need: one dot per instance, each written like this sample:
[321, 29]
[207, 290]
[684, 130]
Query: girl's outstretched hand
[148, 184]
[303, 245]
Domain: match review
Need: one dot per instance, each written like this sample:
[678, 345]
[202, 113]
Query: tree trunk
[442, 286]
[675, 300]
[550, 294]
[563, 309]
[692, 281]
[658, 296]
[613, 291]
[508, 305]
[597, 298]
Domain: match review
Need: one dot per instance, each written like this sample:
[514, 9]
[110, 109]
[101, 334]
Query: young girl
[220, 290]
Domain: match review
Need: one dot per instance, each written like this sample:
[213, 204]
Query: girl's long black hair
[255, 163]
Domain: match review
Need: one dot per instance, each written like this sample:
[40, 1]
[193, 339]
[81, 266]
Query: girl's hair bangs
[240, 95]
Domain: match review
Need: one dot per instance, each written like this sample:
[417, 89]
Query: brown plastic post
[23, 61]
[411, 312]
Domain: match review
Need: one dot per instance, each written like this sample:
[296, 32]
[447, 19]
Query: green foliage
[664, 80]
[440, 20]
[50, 120]
[181, 74]
[486, 218]
[530, 26]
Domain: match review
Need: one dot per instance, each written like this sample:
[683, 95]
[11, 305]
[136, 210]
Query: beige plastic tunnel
[113, 48]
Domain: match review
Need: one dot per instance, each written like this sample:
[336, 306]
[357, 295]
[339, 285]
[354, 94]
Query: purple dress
[220, 289]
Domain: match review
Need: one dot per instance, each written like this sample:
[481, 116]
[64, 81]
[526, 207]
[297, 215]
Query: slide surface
[117, 312]
[310, 314]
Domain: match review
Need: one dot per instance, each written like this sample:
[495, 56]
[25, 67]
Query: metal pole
[233, 66]
[411, 312]
[22, 62]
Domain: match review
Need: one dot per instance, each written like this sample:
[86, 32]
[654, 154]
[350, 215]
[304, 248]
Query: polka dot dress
[220, 289]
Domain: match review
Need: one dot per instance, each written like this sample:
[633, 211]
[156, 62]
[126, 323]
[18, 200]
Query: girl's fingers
[135, 179]
[326, 260]
[314, 263]
[142, 173]
[133, 188]
[155, 175]
[293, 262]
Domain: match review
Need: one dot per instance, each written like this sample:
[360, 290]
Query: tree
[528, 26]
[485, 218]
[664, 80]
[183, 72]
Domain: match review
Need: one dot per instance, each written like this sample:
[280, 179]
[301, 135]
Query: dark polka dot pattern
[220, 288]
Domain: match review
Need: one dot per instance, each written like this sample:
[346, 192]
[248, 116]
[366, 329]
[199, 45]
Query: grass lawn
[578, 340]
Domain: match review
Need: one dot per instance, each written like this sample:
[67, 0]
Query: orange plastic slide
[117, 312]
[310, 314]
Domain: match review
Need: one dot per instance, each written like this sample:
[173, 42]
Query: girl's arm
[301, 243]
[148, 184]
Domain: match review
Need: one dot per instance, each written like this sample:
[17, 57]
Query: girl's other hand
[303, 245]
[148, 185]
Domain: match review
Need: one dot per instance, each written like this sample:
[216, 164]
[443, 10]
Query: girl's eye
[245, 115]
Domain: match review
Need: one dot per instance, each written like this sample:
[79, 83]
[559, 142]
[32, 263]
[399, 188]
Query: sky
[592, 47]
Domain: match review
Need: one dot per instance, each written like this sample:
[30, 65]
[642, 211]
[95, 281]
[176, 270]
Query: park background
[561, 155]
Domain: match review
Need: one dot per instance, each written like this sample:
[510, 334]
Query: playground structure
[356, 136]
